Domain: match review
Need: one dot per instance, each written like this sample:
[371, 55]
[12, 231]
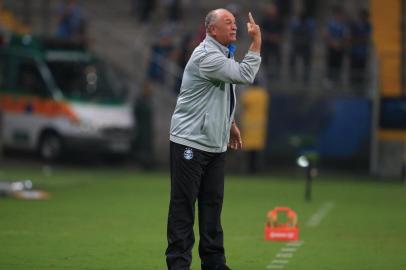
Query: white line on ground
[280, 261]
[316, 218]
[295, 244]
[286, 252]
[275, 266]
[284, 255]
[288, 249]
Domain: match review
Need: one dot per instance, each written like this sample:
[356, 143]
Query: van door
[22, 123]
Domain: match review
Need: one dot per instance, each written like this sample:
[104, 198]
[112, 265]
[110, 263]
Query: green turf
[116, 219]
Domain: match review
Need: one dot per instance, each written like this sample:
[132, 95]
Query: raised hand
[255, 33]
[253, 29]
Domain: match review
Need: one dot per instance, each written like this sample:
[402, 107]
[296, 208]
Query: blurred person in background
[187, 45]
[272, 28]
[144, 136]
[71, 22]
[200, 33]
[161, 51]
[10, 23]
[284, 8]
[173, 9]
[202, 128]
[134, 6]
[302, 30]
[359, 52]
[336, 37]
[311, 7]
[143, 9]
[254, 120]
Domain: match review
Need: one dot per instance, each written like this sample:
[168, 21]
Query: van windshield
[85, 81]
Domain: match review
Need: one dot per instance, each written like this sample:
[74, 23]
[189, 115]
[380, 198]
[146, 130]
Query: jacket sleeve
[215, 66]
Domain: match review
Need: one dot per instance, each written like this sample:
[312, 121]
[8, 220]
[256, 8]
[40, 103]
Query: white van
[57, 97]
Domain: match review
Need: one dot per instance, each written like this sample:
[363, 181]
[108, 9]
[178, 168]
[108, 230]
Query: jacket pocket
[203, 128]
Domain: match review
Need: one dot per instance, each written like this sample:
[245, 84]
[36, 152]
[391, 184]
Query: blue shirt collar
[231, 48]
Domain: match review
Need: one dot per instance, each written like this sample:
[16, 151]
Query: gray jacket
[202, 117]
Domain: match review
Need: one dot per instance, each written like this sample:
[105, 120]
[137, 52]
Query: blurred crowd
[290, 36]
[289, 39]
[348, 38]
[344, 38]
[71, 22]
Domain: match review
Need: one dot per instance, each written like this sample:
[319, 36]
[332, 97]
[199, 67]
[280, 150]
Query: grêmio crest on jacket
[188, 153]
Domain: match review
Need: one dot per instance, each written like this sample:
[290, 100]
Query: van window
[29, 79]
[84, 80]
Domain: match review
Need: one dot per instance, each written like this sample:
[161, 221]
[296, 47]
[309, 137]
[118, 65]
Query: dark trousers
[195, 175]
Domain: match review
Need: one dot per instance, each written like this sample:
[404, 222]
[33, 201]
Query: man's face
[224, 30]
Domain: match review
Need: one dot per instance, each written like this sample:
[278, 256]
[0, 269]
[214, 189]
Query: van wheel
[50, 147]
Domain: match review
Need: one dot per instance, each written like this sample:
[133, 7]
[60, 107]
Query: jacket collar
[221, 47]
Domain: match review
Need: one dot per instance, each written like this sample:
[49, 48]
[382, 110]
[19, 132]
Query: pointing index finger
[251, 18]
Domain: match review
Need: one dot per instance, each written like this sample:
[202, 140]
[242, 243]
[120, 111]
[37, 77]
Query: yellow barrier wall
[254, 102]
[386, 21]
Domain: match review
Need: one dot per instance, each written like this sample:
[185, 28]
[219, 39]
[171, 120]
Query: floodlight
[303, 162]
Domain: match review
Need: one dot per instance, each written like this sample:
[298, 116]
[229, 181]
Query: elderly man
[201, 129]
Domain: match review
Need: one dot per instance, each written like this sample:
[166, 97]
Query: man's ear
[213, 31]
